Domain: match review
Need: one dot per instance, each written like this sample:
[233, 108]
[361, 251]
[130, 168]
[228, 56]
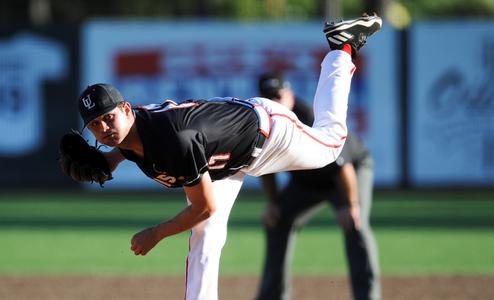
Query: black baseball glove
[81, 161]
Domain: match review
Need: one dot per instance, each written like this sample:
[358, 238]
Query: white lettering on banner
[206, 70]
[25, 62]
[452, 121]
[88, 103]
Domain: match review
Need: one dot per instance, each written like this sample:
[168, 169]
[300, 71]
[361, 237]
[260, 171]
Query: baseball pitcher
[207, 147]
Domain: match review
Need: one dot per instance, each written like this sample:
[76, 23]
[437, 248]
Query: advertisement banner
[452, 104]
[153, 61]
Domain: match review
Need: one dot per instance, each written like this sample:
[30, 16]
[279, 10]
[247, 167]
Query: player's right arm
[202, 206]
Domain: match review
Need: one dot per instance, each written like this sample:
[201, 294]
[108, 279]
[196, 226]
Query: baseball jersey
[354, 151]
[183, 141]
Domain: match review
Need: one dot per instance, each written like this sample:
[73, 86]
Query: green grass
[89, 233]
[86, 251]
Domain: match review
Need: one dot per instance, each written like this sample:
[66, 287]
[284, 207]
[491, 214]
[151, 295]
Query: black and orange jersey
[183, 141]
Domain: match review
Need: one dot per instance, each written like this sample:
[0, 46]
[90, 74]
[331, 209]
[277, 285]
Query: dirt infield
[238, 288]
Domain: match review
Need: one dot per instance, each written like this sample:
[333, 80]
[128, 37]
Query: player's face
[111, 128]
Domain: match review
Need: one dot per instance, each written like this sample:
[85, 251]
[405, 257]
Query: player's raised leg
[331, 98]
[319, 145]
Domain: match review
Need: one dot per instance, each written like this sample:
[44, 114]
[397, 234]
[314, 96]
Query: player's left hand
[82, 162]
[143, 241]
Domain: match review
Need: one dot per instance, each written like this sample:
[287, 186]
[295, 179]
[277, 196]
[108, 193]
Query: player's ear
[127, 108]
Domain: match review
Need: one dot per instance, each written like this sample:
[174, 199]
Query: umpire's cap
[98, 99]
[270, 84]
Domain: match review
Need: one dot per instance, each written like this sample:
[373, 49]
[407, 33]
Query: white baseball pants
[207, 240]
[291, 146]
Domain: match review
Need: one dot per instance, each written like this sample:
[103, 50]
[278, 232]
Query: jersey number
[166, 180]
[218, 161]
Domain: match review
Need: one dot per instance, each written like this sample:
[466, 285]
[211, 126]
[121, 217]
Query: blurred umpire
[346, 184]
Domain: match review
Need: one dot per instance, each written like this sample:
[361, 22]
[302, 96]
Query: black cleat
[353, 32]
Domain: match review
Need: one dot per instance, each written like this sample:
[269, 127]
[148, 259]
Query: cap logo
[88, 103]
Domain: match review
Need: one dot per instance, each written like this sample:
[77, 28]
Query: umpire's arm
[349, 216]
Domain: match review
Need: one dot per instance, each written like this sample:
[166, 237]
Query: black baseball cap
[97, 100]
[271, 83]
